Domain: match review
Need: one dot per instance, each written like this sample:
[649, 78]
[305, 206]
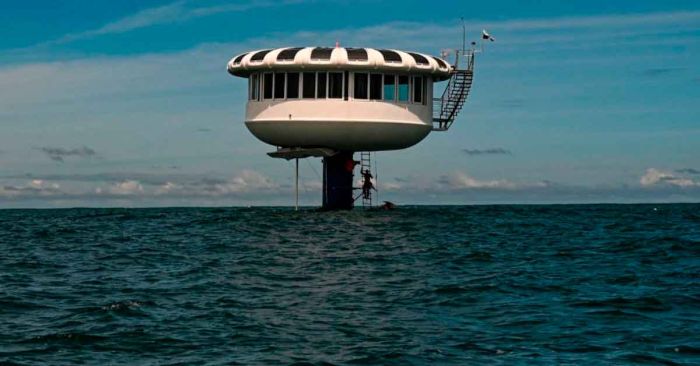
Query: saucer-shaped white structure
[345, 99]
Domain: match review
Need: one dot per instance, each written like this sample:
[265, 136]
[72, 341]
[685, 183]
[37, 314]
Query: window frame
[302, 84]
[272, 85]
[342, 85]
[354, 86]
[286, 85]
[414, 88]
[325, 84]
[381, 86]
[425, 89]
[408, 91]
[394, 89]
[254, 87]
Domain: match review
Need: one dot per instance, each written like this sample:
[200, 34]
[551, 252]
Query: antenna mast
[464, 36]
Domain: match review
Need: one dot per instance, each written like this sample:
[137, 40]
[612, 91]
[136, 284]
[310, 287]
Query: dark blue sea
[459, 285]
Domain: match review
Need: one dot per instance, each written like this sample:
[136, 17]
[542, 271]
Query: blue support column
[337, 181]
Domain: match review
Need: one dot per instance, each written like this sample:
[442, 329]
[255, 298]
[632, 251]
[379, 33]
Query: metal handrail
[445, 116]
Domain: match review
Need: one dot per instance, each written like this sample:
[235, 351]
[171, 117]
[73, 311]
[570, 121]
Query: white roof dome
[338, 58]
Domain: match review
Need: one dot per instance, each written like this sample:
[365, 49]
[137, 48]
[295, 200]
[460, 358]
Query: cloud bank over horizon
[250, 187]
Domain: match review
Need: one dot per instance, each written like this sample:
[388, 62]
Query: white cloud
[35, 187]
[178, 11]
[42, 184]
[458, 181]
[144, 18]
[654, 177]
[389, 186]
[311, 185]
[51, 84]
[167, 188]
[125, 188]
[398, 34]
[252, 187]
[598, 21]
[246, 181]
[544, 32]
[103, 185]
[461, 180]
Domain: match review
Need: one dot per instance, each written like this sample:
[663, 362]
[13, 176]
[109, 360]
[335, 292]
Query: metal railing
[446, 108]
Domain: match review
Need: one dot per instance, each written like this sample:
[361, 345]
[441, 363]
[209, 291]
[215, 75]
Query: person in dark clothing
[367, 185]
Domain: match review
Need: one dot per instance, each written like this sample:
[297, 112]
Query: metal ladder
[446, 108]
[366, 164]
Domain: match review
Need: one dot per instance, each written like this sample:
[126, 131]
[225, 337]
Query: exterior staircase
[447, 107]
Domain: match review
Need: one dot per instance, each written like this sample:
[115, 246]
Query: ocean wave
[417, 285]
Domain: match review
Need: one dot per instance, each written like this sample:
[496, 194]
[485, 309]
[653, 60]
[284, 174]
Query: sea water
[459, 285]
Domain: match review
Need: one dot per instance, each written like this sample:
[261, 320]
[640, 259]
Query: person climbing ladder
[367, 185]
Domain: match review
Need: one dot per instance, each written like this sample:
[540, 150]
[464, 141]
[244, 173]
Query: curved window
[375, 86]
[260, 55]
[361, 83]
[390, 56]
[267, 85]
[279, 85]
[238, 59]
[288, 54]
[356, 54]
[389, 88]
[254, 86]
[417, 89]
[322, 85]
[309, 85]
[292, 85]
[440, 62]
[403, 88]
[335, 85]
[321, 53]
[420, 59]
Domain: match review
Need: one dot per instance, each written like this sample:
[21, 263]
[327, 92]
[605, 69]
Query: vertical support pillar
[337, 181]
[296, 186]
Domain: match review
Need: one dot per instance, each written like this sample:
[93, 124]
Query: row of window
[335, 85]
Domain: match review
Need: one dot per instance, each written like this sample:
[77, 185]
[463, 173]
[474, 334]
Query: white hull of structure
[339, 124]
[340, 135]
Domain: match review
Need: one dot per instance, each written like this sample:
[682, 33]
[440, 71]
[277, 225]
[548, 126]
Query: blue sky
[128, 103]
